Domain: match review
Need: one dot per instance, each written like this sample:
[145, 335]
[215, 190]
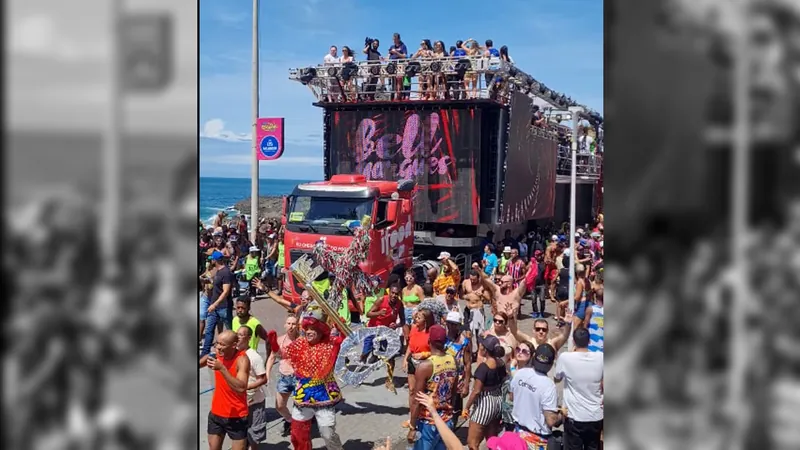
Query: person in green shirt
[322, 285]
[504, 260]
[244, 318]
[279, 265]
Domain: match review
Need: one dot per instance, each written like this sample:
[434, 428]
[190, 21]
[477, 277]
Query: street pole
[573, 185]
[740, 192]
[112, 185]
[254, 168]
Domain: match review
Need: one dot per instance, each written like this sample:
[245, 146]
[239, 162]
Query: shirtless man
[550, 269]
[473, 284]
[476, 320]
[505, 297]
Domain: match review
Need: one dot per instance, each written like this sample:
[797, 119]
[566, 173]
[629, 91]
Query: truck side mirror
[391, 212]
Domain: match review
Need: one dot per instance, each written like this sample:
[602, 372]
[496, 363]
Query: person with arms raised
[317, 392]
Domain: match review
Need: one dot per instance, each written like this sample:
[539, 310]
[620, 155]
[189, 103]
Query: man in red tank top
[229, 411]
[384, 312]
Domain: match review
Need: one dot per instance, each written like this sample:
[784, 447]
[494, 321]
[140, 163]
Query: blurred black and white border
[703, 274]
[101, 224]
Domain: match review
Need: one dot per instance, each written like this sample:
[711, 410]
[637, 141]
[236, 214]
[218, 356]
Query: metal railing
[588, 165]
[444, 78]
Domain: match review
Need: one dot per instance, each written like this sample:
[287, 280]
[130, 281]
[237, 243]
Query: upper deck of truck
[450, 80]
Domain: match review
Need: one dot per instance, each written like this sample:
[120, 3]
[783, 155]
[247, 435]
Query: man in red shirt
[229, 411]
[384, 312]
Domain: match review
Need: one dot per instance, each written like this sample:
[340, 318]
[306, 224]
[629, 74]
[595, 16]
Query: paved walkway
[368, 414]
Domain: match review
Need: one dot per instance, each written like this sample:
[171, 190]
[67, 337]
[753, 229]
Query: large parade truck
[433, 174]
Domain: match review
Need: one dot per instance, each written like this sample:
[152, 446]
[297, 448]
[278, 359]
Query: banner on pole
[146, 47]
[269, 138]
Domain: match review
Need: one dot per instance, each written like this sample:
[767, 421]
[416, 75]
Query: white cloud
[215, 129]
[38, 35]
[240, 160]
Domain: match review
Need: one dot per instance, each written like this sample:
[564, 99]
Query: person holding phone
[229, 409]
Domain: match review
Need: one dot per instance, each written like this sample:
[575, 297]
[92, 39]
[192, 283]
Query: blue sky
[558, 42]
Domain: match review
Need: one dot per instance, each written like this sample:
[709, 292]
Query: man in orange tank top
[229, 411]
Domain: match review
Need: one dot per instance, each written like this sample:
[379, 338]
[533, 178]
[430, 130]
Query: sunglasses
[523, 351]
[499, 321]
[542, 329]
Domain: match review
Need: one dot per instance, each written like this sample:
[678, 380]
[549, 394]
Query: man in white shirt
[535, 399]
[331, 57]
[256, 400]
[585, 142]
[582, 372]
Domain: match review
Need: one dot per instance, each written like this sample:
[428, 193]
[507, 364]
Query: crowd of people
[430, 86]
[77, 336]
[463, 350]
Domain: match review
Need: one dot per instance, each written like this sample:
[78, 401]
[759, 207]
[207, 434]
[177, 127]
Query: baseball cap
[508, 441]
[507, 249]
[453, 317]
[254, 249]
[554, 237]
[492, 345]
[437, 333]
[216, 256]
[443, 255]
[566, 252]
[543, 358]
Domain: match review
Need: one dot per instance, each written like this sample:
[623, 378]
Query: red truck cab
[324, 210]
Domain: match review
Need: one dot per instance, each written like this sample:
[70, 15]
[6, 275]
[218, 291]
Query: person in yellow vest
[279, 266]
[252, 266]
[323, 285]
[244, 318]
[504, 259]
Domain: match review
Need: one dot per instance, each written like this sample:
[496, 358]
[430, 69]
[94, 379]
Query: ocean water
[223, 193]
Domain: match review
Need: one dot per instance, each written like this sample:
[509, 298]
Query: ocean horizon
[222, 193]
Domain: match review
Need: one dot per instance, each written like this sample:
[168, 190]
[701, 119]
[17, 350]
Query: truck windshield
[315, 212]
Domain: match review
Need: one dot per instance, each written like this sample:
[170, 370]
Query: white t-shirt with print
[533, 394]
[582, 373]
[330, 59]
[257, 368]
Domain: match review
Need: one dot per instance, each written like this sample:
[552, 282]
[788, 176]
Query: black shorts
[562, 294]
[235, 428]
